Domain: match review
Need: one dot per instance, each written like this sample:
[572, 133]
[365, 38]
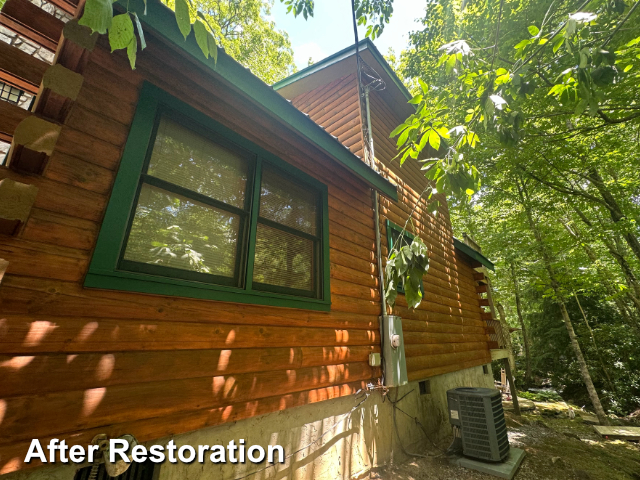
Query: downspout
[376, 197]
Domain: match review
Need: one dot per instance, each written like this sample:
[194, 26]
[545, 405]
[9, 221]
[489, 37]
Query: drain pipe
[376, 213]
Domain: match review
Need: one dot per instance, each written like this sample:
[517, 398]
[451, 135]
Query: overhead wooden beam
[16, 200]
[59, 89]
[21, 69]
[68, 6]
[32, 22]
[33, 142]
[77, 44]
[10, 117]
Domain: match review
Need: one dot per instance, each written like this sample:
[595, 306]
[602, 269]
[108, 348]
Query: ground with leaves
[557, 448]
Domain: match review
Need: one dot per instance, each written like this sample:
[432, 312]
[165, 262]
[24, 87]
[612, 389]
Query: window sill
[141, 283]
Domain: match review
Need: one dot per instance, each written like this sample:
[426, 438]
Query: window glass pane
[283, 259]
[288, 203]
[174, 231]
[183, 157]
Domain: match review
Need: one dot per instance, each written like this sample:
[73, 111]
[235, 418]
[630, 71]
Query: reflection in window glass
[173, 231]
[184, 158]
[283, 259]
[288, 203]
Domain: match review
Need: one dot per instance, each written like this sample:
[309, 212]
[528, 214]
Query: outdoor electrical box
[393, 357]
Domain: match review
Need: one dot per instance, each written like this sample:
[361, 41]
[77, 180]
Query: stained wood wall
[447, 332]
[75, 362]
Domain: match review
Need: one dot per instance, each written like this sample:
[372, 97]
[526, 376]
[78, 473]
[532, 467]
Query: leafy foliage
[406, 265]
[375, 14]
[236, 25]
[549, 90]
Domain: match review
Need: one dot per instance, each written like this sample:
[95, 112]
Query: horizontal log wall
[75, 362]
[447, 332]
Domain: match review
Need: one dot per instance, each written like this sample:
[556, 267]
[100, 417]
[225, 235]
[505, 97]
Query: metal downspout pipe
[376, 213]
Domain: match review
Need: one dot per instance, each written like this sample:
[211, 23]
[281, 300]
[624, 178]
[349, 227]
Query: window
[10, 94]
[393, 237]
[199, 211]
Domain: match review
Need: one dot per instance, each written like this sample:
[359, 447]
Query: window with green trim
[199, 211]
[395, 234]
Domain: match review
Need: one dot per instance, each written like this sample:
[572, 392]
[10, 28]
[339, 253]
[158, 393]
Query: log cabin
[189, 254]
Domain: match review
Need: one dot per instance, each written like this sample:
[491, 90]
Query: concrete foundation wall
[362, 439]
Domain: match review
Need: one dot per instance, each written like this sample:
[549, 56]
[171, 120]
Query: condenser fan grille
[484, 430]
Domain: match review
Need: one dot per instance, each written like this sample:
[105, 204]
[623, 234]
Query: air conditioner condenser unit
[478, 414]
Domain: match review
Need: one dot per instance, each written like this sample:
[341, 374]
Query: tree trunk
[595, 345]
[604, 274]
[614, 209]
[525, 338]
[584, 370]
[555, 285]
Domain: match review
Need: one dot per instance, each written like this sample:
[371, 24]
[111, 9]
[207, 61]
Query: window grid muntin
[238, 279]
[9, 93]
[246, 243]
[316, 239]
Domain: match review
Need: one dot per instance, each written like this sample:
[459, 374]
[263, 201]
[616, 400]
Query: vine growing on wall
[406, 265]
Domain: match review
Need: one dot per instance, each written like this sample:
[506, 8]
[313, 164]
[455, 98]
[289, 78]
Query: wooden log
[77, 43]
[93, 150]
[16, 201]
[432, 372]
[60, 198]
[10, 117]
[33, 142]
[21, 69]
[69, 6]
[37, 263]
[52, 297]
[23, 334]
[57, 413]
[63, 230]
[32, 22]
[12, 455]
[79, 173]
[58, 90]
[416, 364]
[40, 374]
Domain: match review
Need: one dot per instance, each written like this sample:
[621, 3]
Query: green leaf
[213, 48]
[533, 30]
[423, 86]
[415, 100]
[201, 33]
[98, 15]
[398, 130]
[132, 50]
[627, 68]
[182, 17]
[434, 139]
[522, 44]
[121, 32]
[143, 44]
[558, 44]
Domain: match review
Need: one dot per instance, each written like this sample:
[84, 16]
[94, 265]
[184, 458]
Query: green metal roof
[464, 248]
[161, 20]
[365, 44]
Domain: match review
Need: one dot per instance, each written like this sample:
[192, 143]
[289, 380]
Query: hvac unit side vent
[479, 415]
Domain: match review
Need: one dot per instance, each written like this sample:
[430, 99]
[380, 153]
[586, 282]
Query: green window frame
[109, 269]
[393, 233]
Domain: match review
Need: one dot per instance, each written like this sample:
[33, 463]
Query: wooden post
[512, 387]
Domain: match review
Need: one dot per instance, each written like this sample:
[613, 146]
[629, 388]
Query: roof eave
[474, 254]
[161, 20]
